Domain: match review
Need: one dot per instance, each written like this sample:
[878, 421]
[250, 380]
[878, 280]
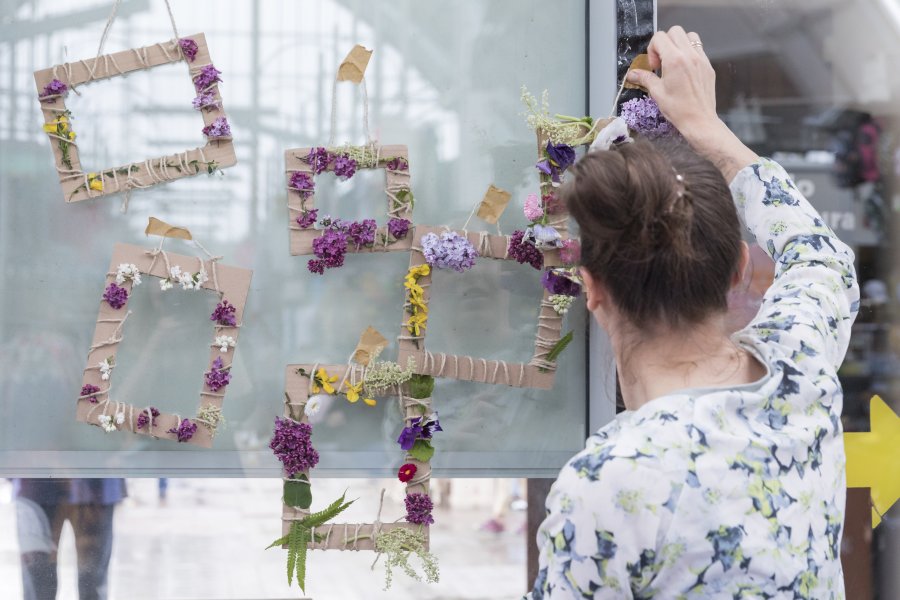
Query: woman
[724, 478]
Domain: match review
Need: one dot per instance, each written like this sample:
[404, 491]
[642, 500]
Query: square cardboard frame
[141, 174]
[234, 285]
[301, 240]
[347, 536]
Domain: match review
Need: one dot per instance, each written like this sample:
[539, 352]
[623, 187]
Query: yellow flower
[370, 401]
[353, 392]
[419, 271]
[322, 379]
[60, 126]
[95, 182]
[416, 323]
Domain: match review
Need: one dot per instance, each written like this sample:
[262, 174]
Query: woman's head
[659, 232]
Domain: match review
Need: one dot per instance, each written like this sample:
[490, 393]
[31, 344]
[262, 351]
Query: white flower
[617, 129]
[128, 271]
[193, 281]
[561, 303]
[175, 273]
[106, 368]
[165, 284]
[224, 342]
[313, 405]
[106, 422]
[120, 418]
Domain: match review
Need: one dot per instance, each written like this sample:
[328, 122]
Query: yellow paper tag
[493, 204]
[641, 61]
[370, 345]
[354, 66]
[161, 228]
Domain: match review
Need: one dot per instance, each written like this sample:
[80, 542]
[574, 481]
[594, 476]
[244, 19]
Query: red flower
[407, 472]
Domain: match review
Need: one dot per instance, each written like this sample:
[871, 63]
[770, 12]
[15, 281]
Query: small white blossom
[120, 418]
[313, 406]
[561, 303]
[193, 281]
[175, 273]
[224, 342]
[106, 368]
[165, 284]
[106, 422]
[128, 271]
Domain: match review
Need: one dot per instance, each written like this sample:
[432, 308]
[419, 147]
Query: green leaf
[557, 349]
[298, 493]
[422, 450]
[421, 386]
[301, 558]
[279, 542]
[323, 516]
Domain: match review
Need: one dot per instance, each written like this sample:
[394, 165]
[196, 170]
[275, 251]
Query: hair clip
[614, 133]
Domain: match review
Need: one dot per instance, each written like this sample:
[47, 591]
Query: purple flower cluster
[642, 116]
[344, 166]
[143, 420]
[329, 249]
[224, 314]
[188, 48]
[185, 430]
[218, 129]
[293, 447]
[420, 428]
[308, 218]
[450, 251]
[362, 233]
[207, 76]
[206, 99]
[116, 296]
[218, 377]
[418, 509]
[558, 281]
[558, 158]
[303, 183]
[90, 390]
[523, 251]
[318, 159]
[398, 228]
[398, 164]
[53, 89]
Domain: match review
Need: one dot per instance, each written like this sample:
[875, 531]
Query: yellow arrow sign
[873, 459]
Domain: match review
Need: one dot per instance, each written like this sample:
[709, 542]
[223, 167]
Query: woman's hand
[686, 95]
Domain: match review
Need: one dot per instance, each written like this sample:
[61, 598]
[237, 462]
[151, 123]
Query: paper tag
[641, 61]
[354, 66]
[161, 228]
[493, 204]
[370, 345]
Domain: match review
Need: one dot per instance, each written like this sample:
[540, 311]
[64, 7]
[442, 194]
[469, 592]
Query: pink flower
[570, 252]
[533, 208]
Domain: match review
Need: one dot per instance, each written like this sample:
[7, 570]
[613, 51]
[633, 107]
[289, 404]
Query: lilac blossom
[293, 447]
[116, 296]
[188, 48]
[344, 166]
[218, 129]
[303, 183]
[90, 390]
[218, 376]
[362, 233]
[54, 89]
[224, 314]
[318, 159]
[308, 218]
[398, 228]
[449, 251]
[206, 99]
[523, 251]
[398, 164]
[643, 116]
[207, 76]
[330, 248]
[418, 509]
[143, 420]
[185, 430]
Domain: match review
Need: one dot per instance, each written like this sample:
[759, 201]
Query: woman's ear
[743, 263]
[594, 294]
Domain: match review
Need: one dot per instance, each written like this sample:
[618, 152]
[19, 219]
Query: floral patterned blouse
[731, 492]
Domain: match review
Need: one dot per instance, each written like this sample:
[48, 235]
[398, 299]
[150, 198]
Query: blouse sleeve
[815, 296]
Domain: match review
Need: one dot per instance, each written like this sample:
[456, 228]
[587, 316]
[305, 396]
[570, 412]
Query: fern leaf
[301, 559]
[294, 540]
[323, 516]
[279, 542]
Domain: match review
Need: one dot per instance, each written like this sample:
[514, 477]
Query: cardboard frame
[301, 239]
[340, 536]
[74, 182]
[234, 284]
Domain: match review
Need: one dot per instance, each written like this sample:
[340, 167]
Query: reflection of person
[42, 507]
[725, 476]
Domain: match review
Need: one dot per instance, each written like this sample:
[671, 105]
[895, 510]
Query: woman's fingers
[680, 38]
[646, 79]
[660, 46]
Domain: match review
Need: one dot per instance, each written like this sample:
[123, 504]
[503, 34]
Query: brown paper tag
[157, 227]
[641, 61]
[354, 66]
[370, 345]
[493, 204]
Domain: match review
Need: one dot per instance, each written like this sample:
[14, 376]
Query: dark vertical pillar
[635, 25]
[856, 549]
[537, 497]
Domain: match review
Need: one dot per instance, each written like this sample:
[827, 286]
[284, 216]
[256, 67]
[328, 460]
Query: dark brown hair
[665, 247]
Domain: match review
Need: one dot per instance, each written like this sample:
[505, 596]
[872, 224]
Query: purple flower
[559, 281]
[451, 251]
[318, 159]
[316, 266]
[188, 48]
[362, 233]
[308, 218]
[206, 99]
[418, 509]
[116, 296]
[559, 157]
[543, 236]
[293, 447]
[398, 164]
[54, 89]
[185, 430]
[409, 435]
[224, 314]
[207, 76]
[89, 390]
[218, 377]
[331, 247]
[523, 251]
[419, 428]
[303, 183]
[642, 115]
[344, 166]
[429, 426]
[143, 420]
[218, 129]
[398, 228]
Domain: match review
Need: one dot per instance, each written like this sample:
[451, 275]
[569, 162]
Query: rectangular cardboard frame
[234, 284]
[346, 536]
[301, 240]
[75, 183]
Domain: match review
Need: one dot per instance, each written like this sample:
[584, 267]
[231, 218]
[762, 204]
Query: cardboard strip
[493, 204]
[351, 536]
[161, 228]
[370, 345]
[353, 67]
